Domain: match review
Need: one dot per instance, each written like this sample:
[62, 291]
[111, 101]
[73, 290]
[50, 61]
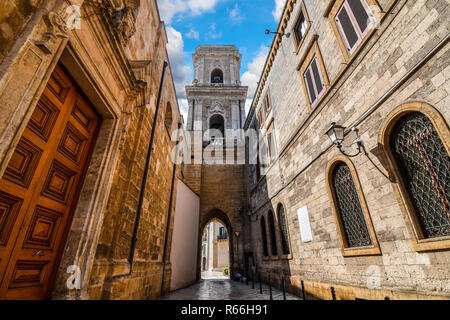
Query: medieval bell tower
[216, 97]
[217, 114]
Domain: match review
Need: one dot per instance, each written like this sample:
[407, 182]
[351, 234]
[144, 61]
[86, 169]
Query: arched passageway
[215, 260]
[213, 221]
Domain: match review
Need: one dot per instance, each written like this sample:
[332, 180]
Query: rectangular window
[263, 156]
[272, 144]
[314, 81]
[261, 117]
[301, 26]
[267, 104]
[353, 19]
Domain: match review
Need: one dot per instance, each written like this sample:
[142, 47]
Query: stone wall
[386, 73]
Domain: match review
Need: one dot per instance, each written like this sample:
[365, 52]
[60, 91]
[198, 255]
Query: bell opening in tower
[217, 76]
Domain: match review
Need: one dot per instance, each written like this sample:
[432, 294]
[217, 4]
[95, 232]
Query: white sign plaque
[305, 226]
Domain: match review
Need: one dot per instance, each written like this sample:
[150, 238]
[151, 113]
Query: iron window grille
[349, 208]
[424, 166]
[284, 231]
[264, 237]
[273, 236]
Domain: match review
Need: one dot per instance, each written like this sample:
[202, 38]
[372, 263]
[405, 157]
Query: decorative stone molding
[56, 28]
[124, 21]
[216, 108]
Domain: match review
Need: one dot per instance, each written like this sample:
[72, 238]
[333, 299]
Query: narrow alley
[226, 289]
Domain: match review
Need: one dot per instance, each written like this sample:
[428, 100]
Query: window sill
[274, 258]
[286, 256]
[361, 251]
[433, 244]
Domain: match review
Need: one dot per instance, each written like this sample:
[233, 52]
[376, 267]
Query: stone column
[232, 72]
[190, 114]
[234, 116]
[198, 118]
[242, 113]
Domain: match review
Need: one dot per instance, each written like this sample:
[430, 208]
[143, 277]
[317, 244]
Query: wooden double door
[40, 188]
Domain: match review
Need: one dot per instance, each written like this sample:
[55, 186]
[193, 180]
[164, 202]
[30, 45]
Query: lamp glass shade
[336, 133]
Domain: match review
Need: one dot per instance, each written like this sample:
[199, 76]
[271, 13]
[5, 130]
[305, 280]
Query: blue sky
[190, 23]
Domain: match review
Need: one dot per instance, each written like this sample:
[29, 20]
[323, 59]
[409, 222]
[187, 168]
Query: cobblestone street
[225, 289]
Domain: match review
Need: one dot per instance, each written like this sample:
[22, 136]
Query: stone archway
[222, 217]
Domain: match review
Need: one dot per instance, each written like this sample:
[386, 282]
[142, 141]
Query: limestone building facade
[86, 92]
[375, 225]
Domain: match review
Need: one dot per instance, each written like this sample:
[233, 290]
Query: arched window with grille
[355, 229]
[273, 237]
[423, 165]
[283, 230]
[264, 237]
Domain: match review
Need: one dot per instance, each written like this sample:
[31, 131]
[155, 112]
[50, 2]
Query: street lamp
[336, 135]
[288, 35]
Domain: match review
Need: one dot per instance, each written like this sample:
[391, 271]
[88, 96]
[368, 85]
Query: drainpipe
[146, 170]
[174, 171]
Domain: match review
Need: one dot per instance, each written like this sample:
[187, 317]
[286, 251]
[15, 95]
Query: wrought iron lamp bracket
[360, 145]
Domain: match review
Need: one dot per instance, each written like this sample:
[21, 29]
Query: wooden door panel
[40, 187]
[42, 231]
[9, 209]
[43, 118]
[73, 144]
[23, 163]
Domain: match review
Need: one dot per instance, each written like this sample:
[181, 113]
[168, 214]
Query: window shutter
[317, 77]
[312, 94]
[360, 13]
[349, 31]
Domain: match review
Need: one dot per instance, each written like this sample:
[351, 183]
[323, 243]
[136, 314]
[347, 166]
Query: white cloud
[235, 14]
[254, 70]
[212, 34]
[193, 34]
[248, 104]
[181, 72]
[169, 8]
[184, 108]
[278, 11]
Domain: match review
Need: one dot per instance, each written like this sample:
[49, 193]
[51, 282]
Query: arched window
[424, 167]
[217, 76]
[273, 237]
[216, 122]
[264, 237]
[349, 207]
[168, 119]
[284, 230]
